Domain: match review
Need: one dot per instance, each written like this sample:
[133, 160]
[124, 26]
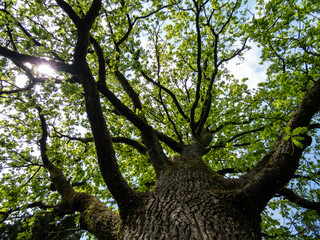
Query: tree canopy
[132, 84]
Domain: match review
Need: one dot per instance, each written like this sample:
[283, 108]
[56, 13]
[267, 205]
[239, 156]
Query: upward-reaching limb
[94, 215]
[277, 167]
[106, 157]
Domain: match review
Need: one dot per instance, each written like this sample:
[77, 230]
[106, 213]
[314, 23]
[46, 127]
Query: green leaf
[297, 143]
[299, 131]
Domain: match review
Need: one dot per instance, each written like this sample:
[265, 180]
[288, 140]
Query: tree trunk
[192, 202]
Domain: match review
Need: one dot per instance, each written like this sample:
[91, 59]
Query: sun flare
[46, 69]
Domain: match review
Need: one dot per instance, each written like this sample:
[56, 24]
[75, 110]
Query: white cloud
[249, 67]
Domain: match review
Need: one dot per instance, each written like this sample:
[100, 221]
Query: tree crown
[141, 86]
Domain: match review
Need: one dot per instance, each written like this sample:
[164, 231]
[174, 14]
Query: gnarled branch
[278, 166]
[94, 215]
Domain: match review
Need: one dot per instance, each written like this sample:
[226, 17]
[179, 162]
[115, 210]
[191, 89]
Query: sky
[249, 67]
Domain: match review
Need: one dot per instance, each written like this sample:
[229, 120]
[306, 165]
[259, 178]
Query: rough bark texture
[191, 202]
[96, 217]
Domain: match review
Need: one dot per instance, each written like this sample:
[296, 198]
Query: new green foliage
[173, 57]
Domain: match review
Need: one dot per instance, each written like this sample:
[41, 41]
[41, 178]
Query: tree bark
[192, 202]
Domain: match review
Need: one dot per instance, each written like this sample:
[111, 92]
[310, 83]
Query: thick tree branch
[278, 166]
[109, 168]
[43, 139]
[207, 104]
[101, 60]
[83, 26]
[9, 31]
[121, 78]
[61, 184]
[314, 126]
[293, 197]
[208, 98]
[171, 143]
[119, 75]
[199, 69]
[24, 58]
[96, 218]
[69, 11]
[106, 157]
[92, 14]
[108, 165]
[94, 215]
[129, 90]
[142, 149]
[149, 137]
[17, 59]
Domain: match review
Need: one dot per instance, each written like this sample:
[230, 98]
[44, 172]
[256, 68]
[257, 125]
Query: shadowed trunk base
[191, 202]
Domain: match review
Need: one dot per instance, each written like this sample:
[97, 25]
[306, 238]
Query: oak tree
[122, 120]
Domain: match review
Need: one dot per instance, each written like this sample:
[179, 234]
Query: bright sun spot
[43, 70]
[46, 69]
